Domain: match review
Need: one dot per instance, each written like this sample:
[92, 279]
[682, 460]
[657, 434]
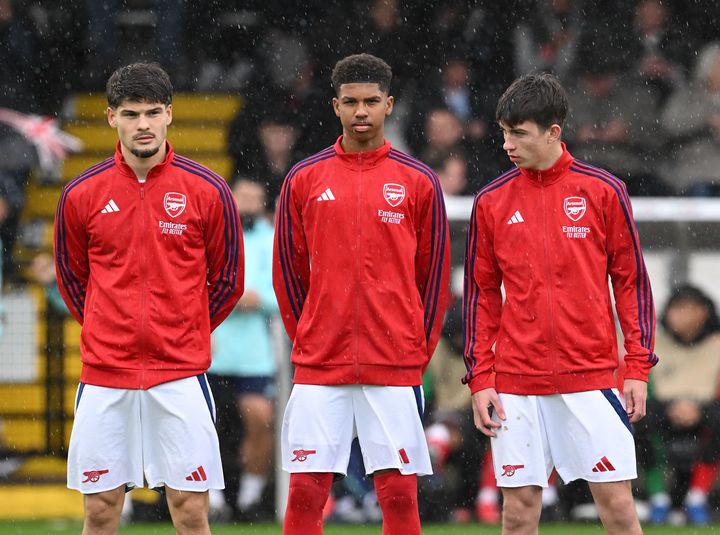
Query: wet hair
[533, 97]
[688, 293]
[362, 69]
[139, 82]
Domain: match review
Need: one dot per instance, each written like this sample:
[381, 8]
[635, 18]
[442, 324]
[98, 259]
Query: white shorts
[164, 435]
[583, 435]
[320, 423]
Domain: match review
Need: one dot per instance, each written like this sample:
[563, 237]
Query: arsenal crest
[575, 207]
[394, 194]
[174, 203]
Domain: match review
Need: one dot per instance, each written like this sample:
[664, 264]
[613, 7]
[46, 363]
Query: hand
[635, 399]
[684, 413]
[481, 403]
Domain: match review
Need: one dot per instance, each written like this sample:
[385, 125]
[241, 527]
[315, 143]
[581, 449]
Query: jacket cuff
[481, 382]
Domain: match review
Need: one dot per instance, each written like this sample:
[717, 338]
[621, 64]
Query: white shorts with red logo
[583, 435]
[164, 435]
[321, 422]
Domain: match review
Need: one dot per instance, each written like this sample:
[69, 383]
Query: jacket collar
[362, 160]
[125, 169]
[554, 173]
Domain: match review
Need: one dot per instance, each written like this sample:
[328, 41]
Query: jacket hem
[132, 379]
[542, 385]
[365, 374]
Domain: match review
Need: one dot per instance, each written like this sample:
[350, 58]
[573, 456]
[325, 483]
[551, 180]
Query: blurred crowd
[644, 83]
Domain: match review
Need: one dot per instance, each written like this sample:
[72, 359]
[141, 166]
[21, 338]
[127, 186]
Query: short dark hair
[533, 97]
[139, 82]
[362, 69]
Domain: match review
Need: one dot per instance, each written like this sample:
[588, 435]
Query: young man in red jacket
[361, 269]
[149, 259]
[540, 362]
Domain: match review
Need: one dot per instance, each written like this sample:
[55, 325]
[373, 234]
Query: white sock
[488, 495]
[661, 499]
[695, 497]
[251, 488]
[216, 498]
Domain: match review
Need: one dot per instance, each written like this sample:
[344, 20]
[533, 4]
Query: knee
[103, 509]
[189, 510]
[309, 492]
[521, 507]
[396, 492]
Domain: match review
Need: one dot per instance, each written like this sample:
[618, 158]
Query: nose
[143, 122]
[507, 144]
[361, 110]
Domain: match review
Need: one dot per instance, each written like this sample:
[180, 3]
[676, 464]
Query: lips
[145, 137]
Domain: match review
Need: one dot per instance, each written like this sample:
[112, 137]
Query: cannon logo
[510, 469]
[394, 194]
[174, 203]
[93, 476]
[302, 455]
[575, 207]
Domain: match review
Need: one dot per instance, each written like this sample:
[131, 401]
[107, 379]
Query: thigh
[105, 445]
[317, 429]
[180, 443]
[520, 451]
[590, 436]
[390, 430]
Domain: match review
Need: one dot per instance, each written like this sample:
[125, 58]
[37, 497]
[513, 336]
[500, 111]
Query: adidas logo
[327, 195]
[110, 207]
[197, 475]
[604, 466]
[516, 218]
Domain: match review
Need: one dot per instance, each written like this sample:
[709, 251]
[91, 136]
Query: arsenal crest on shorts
[394, 194]
[174, 203]
[575, 207]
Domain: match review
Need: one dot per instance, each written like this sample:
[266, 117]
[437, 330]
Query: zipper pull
[142, 193]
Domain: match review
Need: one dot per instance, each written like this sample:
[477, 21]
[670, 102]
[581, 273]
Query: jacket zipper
[358, 281]
[549, 281]
[143, 288]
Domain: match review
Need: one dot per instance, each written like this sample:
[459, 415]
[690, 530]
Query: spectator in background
[692, 121]
[449, 110]
[660, 47]
[684, 408]
[267, 151]
[548, 36]
[613, 125]
[243, 358]
[451, 169]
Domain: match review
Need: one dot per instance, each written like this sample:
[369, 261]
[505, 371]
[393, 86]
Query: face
[686, 318]
[530, 147]
[141, 126]
[443, 129]
[250, 197]
[362, 109]
[452, 176]
[277, 138]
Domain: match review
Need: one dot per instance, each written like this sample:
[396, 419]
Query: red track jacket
[361, 266]
[147, 269]
[551, 238]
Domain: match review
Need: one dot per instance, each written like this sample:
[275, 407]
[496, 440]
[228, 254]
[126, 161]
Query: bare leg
[102, 512]
[616, 507]
[521, 510]
[189, 511]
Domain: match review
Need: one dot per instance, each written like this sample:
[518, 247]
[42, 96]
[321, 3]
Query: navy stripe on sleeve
[643, 293]
[68, 279]
[293, 285]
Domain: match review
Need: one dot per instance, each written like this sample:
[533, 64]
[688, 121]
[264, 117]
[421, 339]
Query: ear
[168, 110]
[111, 117]
[389, 103]
[336, 106]
[554, 133]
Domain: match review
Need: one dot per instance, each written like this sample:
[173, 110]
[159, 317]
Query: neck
[141, 166]
[350, 144]
[553, 156]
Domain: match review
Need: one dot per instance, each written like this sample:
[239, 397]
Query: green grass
[74, 528]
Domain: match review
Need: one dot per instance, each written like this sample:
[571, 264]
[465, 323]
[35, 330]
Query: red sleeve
[71, 255]
[631, 287]
[225, 256]
[482, 303]
[432, 263]
[291, 260]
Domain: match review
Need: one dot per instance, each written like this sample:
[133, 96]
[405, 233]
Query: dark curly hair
[362, 68]
[139, 82]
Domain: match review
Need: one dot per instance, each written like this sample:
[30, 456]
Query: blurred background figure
[243, 369]
[692, 121]
[684, 409]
